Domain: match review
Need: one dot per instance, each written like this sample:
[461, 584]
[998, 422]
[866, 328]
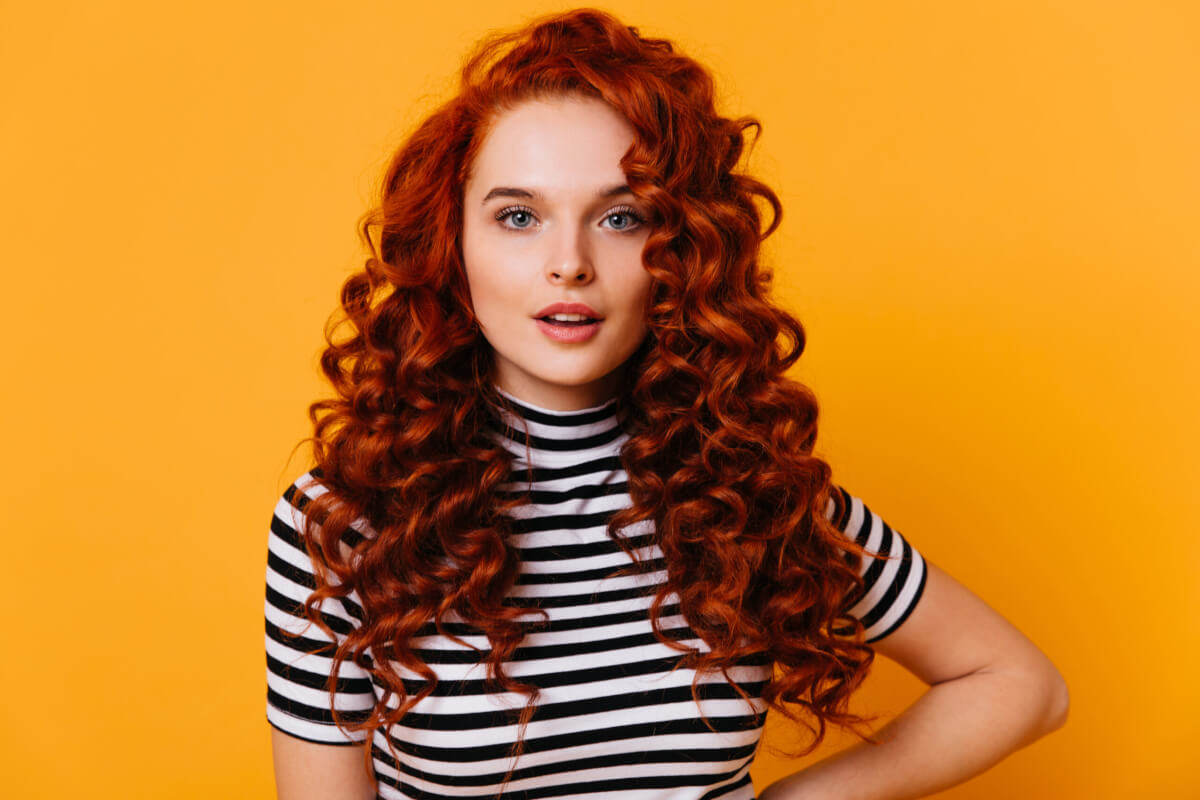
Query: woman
[565, 534]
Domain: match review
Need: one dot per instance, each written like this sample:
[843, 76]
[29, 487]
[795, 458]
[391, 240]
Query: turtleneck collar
[543, 437]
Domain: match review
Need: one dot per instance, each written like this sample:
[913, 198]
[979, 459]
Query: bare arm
[309, 771]
[992, 691]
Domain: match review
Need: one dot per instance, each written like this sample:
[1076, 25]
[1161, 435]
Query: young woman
[565, 534]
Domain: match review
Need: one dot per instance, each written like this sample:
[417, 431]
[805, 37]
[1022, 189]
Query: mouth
[569, 320]
[569, 328]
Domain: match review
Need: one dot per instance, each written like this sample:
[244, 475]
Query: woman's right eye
[520, 216]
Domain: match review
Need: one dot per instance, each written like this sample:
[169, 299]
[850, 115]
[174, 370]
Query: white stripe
[575, 506]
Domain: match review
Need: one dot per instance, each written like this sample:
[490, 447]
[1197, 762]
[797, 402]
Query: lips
[569, 332]
[568, 308]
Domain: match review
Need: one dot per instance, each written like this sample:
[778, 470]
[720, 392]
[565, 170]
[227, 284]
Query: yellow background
[990, 232]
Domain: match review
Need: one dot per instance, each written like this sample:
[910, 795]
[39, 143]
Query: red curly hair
[720, 451]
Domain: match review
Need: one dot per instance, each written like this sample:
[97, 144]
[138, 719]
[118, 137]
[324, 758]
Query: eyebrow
[513, 191]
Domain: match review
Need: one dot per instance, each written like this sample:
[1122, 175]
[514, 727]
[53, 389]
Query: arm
[310, 771]
[991, 693]
[314, 760]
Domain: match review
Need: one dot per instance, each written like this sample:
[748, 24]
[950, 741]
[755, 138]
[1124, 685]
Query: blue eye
[628, 213]
[520, 212]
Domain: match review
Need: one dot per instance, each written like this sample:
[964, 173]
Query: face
[552, 244]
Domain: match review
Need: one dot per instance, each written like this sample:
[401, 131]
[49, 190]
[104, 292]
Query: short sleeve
[893, 571]
[299, 667]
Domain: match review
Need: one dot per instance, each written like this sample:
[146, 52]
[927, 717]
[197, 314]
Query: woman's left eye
[633, 218]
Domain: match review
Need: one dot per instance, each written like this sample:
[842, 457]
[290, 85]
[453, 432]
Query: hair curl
[720, 450]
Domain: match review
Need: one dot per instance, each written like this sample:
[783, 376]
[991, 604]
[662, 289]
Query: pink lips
[568, 308]
[569, 333]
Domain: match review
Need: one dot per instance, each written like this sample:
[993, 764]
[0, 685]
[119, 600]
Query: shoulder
[892, 569]
[290, 521]
[292, 574]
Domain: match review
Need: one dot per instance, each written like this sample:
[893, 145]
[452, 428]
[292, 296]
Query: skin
[310, 771]
[991, 690]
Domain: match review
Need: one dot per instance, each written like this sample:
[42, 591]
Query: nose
[570, 264]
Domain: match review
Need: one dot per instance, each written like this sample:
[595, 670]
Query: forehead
[562, 143]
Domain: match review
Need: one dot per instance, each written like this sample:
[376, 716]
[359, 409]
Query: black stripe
[584, 492]
[311, 713]
[315, 680]
[600, 573]
[843, 508]
[571, 600]
[864, 527]
[553, 445]
[608, 760]
[664, 727]
[499, 718]
[564, 419]
[293, 492]
[541, 474]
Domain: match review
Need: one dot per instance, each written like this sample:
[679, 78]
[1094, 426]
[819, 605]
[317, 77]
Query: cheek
[483, 296]
[497, 295]
[643, 288]
[481, 270]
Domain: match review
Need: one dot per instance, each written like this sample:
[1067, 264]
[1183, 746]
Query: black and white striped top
[613, 716]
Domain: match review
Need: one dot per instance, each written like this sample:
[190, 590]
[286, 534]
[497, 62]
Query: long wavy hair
[720, 455]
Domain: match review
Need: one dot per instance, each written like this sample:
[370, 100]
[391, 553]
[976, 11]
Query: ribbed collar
[557, 438]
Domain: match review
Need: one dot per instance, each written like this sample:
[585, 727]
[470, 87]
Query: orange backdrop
[990, 233]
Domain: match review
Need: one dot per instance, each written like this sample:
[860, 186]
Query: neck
[557, 397]
[586, 404]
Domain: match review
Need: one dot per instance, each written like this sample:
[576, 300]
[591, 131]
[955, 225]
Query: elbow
[1052, 699]
[1045, 699]
[1058, 702]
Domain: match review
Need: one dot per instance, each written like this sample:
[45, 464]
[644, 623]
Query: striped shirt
[613, 716]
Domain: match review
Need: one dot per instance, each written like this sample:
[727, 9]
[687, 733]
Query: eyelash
[508, 211]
